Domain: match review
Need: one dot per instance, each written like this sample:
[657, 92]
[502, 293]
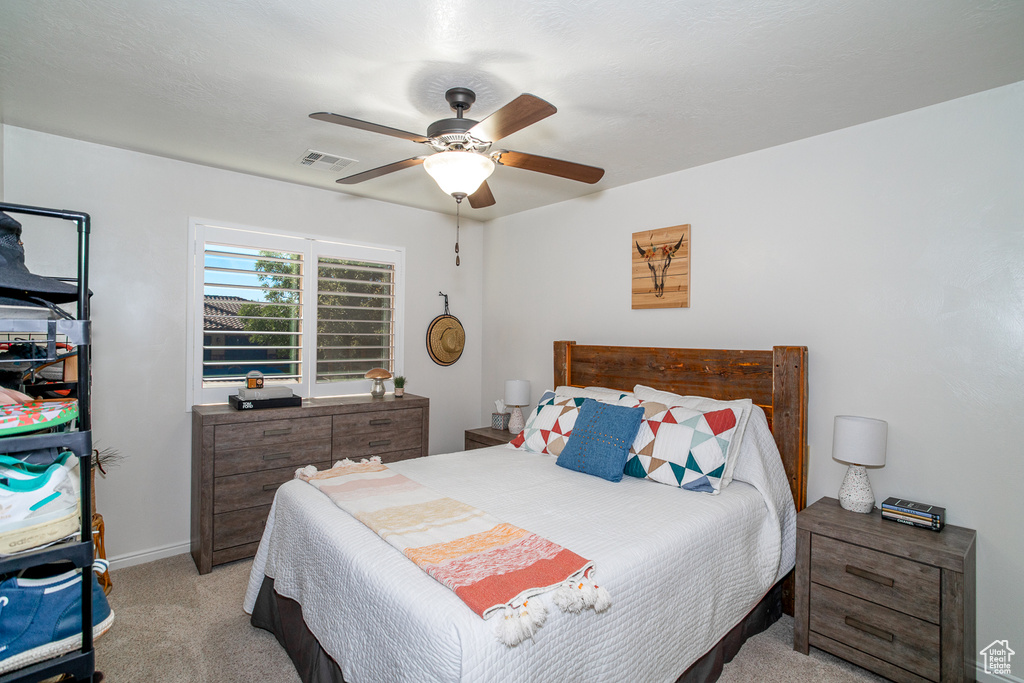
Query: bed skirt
[283, 617]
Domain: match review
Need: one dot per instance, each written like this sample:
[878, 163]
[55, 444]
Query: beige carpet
[173, 625]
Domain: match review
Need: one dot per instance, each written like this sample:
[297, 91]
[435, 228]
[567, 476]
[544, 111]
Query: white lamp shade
[859, 440]
[459, 172]
[517, 392]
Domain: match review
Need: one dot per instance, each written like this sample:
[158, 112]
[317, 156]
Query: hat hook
[445, 302]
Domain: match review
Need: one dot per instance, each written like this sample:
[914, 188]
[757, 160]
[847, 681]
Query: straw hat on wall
[445, 339]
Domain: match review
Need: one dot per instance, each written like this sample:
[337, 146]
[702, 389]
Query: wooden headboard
[776, 380]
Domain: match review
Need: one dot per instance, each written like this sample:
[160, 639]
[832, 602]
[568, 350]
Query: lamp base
[855, 494]
[516, 421]
[377, 390]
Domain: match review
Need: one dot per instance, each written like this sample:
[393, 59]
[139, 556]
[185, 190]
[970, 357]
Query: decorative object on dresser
[661, 268]
[399, 382]
[445, 337]
[377, 375]
[239, 458]
[266, 396]
[894, 599]
[499, 421]
[484, 437]
[517, 395]
[859, 442]
[915, 514]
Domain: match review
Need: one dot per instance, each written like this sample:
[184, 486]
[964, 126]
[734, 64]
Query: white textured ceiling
[643, 87]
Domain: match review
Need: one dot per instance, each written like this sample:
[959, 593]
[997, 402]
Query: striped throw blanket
[495, 568]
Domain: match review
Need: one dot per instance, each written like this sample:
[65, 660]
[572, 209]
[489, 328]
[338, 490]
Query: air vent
[323, 161]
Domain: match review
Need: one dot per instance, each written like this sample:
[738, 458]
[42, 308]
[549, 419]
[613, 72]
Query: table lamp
[517, 394]
[859, 442]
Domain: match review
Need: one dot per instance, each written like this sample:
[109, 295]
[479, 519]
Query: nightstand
[487, 436]
[894, 599]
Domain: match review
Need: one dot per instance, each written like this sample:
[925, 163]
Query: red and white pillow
[705, 404]
[683, 447]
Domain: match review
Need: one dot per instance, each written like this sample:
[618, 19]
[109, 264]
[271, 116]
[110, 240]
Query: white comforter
[682, 569]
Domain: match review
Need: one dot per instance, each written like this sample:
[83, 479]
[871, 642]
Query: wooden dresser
[894, 599]
[240, 457]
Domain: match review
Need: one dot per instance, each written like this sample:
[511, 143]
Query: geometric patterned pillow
[683, 447]
[549, 426]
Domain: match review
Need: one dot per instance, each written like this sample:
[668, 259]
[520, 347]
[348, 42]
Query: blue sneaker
[41, 618]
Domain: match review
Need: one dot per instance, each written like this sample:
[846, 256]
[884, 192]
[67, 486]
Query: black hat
[17, 285]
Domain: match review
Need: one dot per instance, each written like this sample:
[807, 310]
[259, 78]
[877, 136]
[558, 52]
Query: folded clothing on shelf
[38, 504]
[41, 613]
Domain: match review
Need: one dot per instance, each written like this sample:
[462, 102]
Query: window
[308, 313]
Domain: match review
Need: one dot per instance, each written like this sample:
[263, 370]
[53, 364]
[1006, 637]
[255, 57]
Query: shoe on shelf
[16, 468]
[41, 614]
[39, 509]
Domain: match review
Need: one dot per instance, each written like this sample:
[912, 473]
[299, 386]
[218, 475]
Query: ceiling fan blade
[562, 169]
[380, 170]
[521, 112]
[482, 197]
[366, 125]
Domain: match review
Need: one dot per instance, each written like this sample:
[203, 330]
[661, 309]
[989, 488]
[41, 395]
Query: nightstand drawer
[897, 583]
[271, 432]
[383, 421]
[902, 640]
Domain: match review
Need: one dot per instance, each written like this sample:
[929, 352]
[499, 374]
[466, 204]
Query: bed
[691, 575]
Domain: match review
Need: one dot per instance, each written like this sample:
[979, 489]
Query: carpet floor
[171, 624]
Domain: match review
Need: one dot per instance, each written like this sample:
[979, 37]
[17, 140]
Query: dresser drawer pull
[270, 487]
[277, 456]
[277, 432]
[867, 628]
[385, 442]
[870, 576]
[380, 422]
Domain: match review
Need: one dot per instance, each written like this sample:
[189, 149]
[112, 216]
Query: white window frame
[311, 247]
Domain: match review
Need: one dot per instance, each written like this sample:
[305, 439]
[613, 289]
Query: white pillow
[597, 393]
[705, 404]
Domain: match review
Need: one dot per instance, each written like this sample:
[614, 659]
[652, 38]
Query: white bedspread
[682, 569]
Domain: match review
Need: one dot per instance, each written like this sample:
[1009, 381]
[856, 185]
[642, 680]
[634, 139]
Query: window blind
[252, 314]
[355, 312]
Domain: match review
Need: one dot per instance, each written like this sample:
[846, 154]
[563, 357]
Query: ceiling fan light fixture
[458, 171]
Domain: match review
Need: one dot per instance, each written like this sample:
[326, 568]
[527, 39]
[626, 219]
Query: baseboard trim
[132, 559]
[983, 677]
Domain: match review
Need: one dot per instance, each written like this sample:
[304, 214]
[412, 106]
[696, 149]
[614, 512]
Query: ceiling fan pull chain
[457, 205]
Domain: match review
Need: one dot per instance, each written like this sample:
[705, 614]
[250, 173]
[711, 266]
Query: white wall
[893, 250]
[140, 206]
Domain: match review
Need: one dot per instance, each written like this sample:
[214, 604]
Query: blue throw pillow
[600, 439]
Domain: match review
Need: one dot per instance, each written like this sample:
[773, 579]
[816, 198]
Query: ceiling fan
[462, 160]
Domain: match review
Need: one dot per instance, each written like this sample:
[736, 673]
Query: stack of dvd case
[920, 515]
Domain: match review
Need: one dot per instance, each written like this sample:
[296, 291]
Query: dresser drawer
[900, 639]
[240, 491]
[382, 421]
[898, 583]
[271, 457]
[365, 445]
[271, 432]
[239, 527]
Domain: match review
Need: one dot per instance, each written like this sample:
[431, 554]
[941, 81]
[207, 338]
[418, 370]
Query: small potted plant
[399, 381]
